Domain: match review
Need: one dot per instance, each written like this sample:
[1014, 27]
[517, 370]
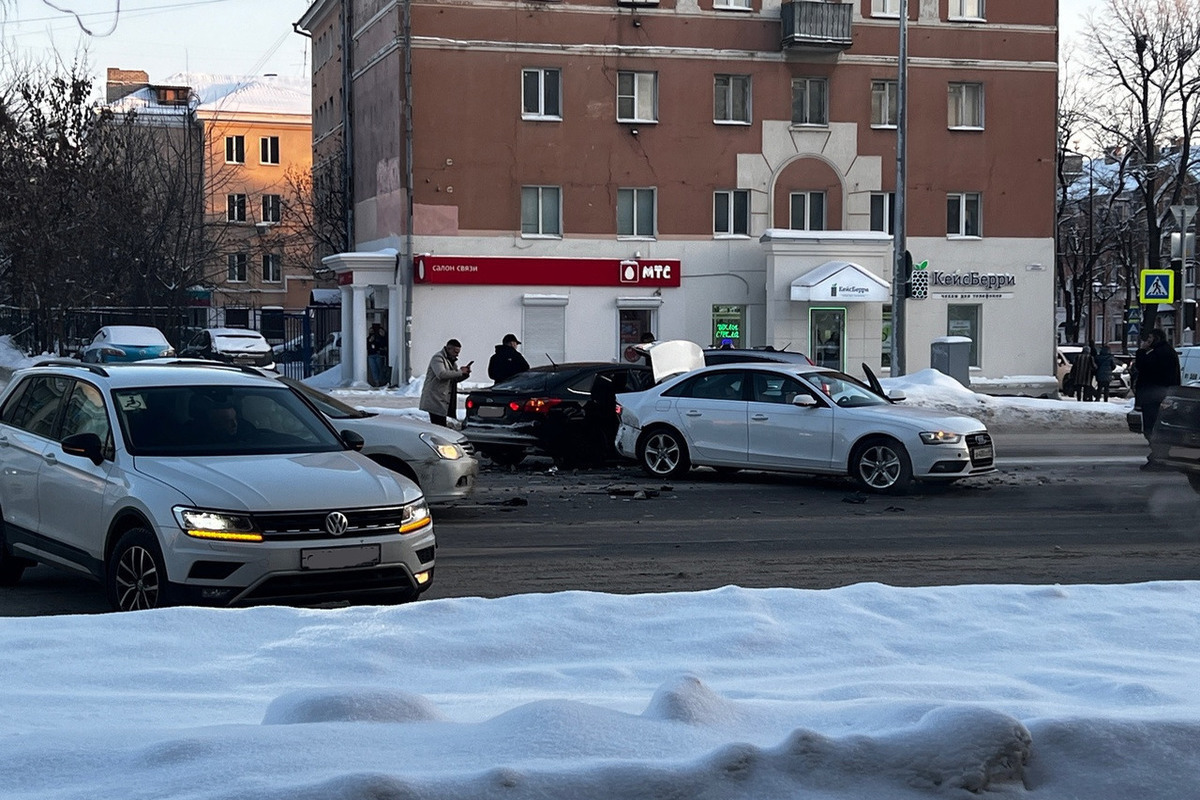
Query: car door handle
[760, 418]
[694, 413]
[3, 441]
[50, 458]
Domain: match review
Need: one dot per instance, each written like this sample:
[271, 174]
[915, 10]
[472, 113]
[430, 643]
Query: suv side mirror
[353, 440]
[87, 445]
[804, 400]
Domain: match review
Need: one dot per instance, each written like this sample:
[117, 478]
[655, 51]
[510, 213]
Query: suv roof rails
[203, 362]
[95, 369]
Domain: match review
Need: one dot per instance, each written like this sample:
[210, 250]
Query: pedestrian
[1083, 370]
[1104, 372]
[507, 360]
[377, 355]
[439, 396]
[1157, 371]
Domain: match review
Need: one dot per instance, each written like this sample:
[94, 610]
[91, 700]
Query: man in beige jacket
[439, 397]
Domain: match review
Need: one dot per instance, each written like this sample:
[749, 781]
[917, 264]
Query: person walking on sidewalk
[1157, 371]
[508, 360]
[439, 396]
[1104, 371]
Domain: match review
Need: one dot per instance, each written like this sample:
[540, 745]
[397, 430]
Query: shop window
[728, 324]
[964, 321]
[827, 336]
[635, 326]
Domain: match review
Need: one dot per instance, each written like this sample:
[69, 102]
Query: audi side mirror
[804, 400]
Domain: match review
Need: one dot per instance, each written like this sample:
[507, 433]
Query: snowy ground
[867, 691]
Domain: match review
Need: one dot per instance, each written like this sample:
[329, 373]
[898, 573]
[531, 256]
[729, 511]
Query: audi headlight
[415, 517]
[444, 448]
[219, 525]
[940, 437]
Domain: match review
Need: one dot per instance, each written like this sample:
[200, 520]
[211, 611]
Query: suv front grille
[301, 526]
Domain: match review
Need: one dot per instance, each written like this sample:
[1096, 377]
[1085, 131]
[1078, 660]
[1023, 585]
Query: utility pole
[899, 241]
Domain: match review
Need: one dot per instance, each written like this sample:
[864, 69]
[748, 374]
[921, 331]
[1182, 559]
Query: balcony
[811, 25]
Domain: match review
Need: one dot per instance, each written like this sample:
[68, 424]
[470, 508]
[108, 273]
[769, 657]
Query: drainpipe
[348, 125]
[409, 265]
[899, 234]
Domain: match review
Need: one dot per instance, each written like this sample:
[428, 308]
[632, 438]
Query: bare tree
[316, 202]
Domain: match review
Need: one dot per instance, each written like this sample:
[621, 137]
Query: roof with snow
[224, 94]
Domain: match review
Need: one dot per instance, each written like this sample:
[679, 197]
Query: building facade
[584, 172]
[252, 141]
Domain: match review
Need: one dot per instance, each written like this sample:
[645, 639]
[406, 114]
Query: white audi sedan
[796, 418]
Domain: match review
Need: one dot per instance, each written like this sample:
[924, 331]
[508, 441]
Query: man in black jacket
[1157, 367]
[507, 361]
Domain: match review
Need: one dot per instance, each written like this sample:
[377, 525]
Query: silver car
[179, 483]
[796, 418]
[439, 460]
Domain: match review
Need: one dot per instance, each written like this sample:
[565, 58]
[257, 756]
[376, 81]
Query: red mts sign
[505, 271]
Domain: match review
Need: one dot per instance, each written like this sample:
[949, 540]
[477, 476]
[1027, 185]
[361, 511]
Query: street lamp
[1103, 292]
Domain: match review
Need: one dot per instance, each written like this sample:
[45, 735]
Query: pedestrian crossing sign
[1156, 286]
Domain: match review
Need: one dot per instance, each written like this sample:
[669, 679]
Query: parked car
[714, 356]
[566, 411]
[1175, 440]
[330, 352]
[205, 484]
[1065, 357]
[796, 418]
[123, 343]
[439, 460]
[232, 345]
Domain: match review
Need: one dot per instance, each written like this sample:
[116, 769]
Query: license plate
[491, 412]
[366, 555]
[981, 453]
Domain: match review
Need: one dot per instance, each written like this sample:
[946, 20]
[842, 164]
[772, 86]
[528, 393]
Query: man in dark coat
[1157, 370]
[507, 361]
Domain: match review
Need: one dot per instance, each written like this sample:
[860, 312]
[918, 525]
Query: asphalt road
[1063, 508]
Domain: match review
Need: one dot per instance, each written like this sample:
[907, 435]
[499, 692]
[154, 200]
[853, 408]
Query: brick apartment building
[246, 133]
[580, 172]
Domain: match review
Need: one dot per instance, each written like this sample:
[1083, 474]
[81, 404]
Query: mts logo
[633, 272]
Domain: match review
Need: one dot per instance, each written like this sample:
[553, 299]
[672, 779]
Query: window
[235, 149]
[963, 214]
[731, 213]
[808, 211]
[885, 8]
[964, 321]
[964, 108]
[541, 94]
[84, 412]
[237, 317]
[731, 98]
[35, 406]
[883, 212]
[885, 109]
[268, 150]
[966, 9]
[235, 208]
[637, 96]
[635, 212]
[728, 323]
[740, 5]
[541, 211]
[272, 208]
[809, 101]
[237, 268]
[272, 265]
[712, 386]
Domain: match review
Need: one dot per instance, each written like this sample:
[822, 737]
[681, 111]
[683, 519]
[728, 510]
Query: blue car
[122, 343]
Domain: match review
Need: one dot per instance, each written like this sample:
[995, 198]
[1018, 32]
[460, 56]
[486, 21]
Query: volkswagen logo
[336, 523]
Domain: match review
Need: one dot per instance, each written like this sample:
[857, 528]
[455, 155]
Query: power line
[115, 13]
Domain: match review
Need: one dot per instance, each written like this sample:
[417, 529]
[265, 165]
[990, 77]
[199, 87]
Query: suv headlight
[443, 447]
[416, 516]
[220, 525]
[940, 437]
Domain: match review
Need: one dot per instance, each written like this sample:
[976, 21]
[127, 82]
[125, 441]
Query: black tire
[1194, 480]
[663, 453]
[504, 456]
[881, 465]
[136, 578]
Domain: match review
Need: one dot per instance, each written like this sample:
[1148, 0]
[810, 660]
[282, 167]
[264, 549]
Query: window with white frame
[541, 211]
[272, 267]
[731, 212]
[731, 99]
[966, 9]
[883, 212]
[964, 107]
[739, 5]
[963, 214]
[541, 93]
[637, 96]
[235, 149]
[272, 207]
[810, 101]
[268, 150]
[235, 208]
[808, 211]
[885, 107]
[237, 267]
[635, 212]
[885, 8]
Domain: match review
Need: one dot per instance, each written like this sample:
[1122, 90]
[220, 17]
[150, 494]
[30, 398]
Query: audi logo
[336, 523]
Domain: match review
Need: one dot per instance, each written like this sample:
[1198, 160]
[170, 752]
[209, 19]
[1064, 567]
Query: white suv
[200, 484]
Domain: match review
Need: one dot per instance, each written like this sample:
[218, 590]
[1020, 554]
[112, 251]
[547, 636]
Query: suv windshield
[219, 421]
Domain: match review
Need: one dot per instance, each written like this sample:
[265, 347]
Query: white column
[356, 339]
[347, 315]
[396, 334]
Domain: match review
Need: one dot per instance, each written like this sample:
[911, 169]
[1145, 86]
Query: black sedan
[1175, 439]
[565, 411]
